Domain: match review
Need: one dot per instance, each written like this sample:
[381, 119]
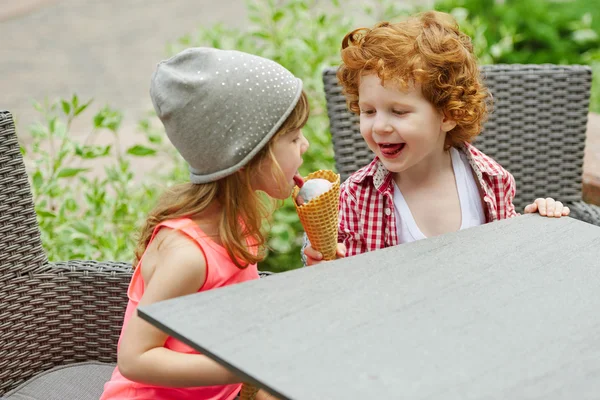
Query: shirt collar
[382, 177]
[483, 163]
[377, 172]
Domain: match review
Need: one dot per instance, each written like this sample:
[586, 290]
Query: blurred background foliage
[83, 215]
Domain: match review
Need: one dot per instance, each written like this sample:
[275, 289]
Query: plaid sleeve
[348, 230]
[509, 191]
[305, 244]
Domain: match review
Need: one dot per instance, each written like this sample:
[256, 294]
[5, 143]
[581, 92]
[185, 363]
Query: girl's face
[400, 126]
[288, 150]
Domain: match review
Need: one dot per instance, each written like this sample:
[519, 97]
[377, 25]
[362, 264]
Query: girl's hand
[314, 257]
[548, 208]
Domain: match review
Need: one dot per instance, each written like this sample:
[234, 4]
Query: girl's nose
[305, 144]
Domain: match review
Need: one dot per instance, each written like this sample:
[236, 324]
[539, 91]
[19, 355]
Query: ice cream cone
[248, 392]
[319, 216]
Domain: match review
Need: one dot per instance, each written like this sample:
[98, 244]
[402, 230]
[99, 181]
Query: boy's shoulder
[484, 163]
[366, 180]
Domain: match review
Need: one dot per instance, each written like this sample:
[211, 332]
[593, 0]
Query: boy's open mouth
[391, 149]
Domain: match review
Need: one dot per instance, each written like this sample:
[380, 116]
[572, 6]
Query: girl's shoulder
[174, 248]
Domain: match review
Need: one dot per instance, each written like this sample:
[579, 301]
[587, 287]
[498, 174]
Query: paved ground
[108, 50]
[102, 49]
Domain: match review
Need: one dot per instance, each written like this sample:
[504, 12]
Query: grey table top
[508, 310]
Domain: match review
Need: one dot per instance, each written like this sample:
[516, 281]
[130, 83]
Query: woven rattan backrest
[20, 244]
[536, 130]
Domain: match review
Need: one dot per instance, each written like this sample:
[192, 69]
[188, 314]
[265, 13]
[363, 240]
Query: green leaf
[141, 151]
[38, 130]
[38, 106]
[278, 15]
[70, 172]
[82, 108]
[45, 213]
[82, 227]
[37, 180]
[91, 152]
[121, 212]
[262, 35]
[66, 107]
[144, 125]
[108, 118]
[98, 120]
[155, 138]
[71, 205]
[52, 125]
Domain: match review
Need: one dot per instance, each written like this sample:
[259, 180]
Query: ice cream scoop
[311, 189]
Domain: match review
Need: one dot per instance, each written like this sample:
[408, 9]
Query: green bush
[83, 215]
[533, 32]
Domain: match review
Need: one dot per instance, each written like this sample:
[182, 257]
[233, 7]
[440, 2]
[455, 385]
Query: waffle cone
[248, 392]
[319, 216]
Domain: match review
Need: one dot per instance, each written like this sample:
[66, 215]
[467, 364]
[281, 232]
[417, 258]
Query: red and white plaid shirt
[366, 213]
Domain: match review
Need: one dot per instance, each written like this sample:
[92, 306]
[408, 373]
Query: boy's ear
[447, 124]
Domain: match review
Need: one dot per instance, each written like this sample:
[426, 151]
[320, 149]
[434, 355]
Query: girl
[420, 98]
[236, 119]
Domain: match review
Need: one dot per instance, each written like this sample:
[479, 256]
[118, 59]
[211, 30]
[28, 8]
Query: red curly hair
[428, 49]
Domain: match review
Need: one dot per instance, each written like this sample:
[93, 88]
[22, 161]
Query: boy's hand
[314, 257]
[548, 208]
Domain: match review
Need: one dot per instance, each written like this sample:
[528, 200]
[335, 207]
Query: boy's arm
[349, 232]
[510, 188]
[305, 244]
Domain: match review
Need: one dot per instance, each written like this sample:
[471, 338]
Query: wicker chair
[59, 322]
[536, 131]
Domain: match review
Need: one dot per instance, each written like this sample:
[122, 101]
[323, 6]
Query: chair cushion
[80, 381]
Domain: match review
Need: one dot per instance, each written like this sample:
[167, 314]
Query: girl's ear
[447, 124]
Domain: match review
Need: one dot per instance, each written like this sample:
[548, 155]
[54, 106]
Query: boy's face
[400, 126]
[288, 149]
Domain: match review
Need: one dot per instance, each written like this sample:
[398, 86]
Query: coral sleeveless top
[220, 271]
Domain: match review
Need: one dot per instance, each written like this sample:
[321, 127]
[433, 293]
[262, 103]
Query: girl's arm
[179, 269]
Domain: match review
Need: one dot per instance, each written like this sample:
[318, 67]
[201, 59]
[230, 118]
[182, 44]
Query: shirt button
[387, 211]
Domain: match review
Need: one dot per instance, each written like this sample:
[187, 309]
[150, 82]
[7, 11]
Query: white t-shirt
[472, 213]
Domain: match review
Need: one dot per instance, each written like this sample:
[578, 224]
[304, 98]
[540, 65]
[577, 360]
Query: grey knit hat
[221, 107]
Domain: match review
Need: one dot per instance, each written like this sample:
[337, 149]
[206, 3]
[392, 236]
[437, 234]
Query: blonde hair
[239, 201]
[428, 49]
